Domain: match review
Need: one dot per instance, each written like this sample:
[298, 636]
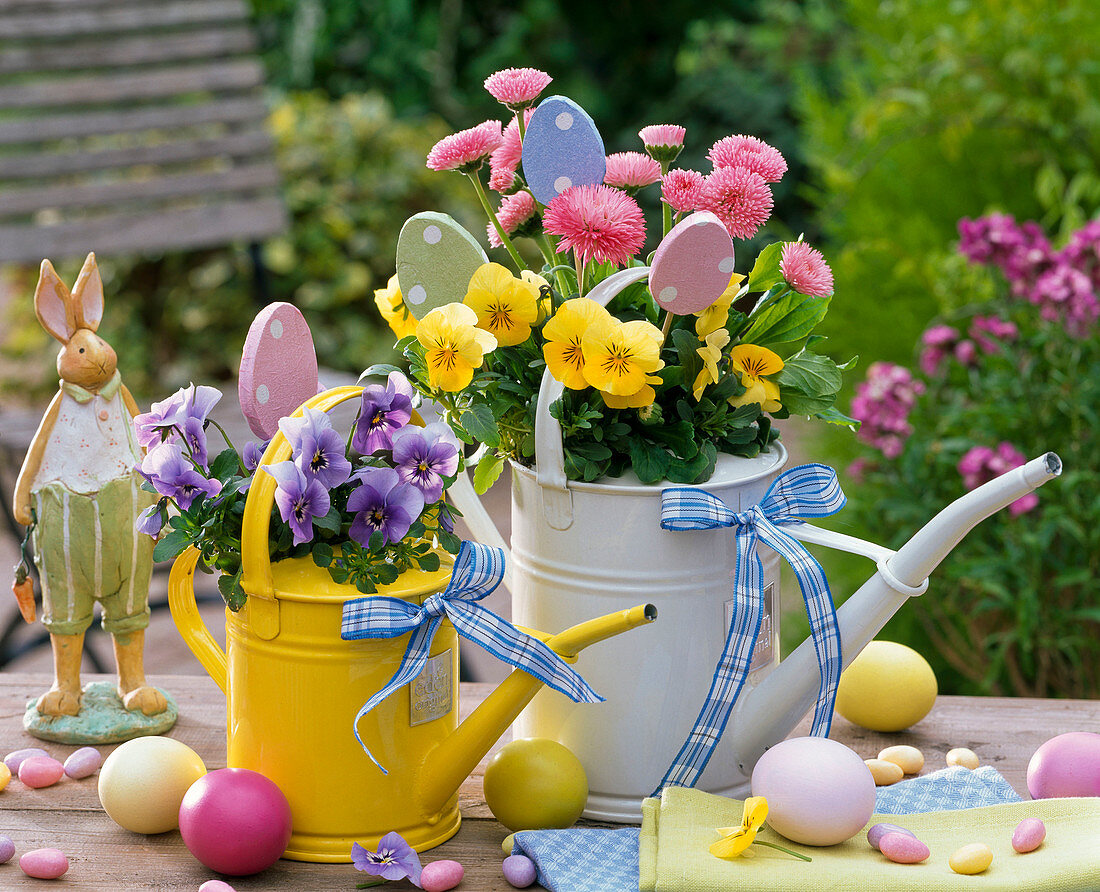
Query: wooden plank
[253, 142]
[235, 110]
[227, 76]
[155, 49]
[200, 227]
[69, 23]
[240, 178]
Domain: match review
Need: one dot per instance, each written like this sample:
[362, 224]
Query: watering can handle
[185, 614]
[557, 501]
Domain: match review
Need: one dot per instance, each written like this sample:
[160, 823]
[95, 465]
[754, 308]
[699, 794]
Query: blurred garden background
[899, 118]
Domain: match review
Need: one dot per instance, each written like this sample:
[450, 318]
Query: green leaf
[364, 585]
[429, 563]
[171, 546]
[801, 404]
[765, 272]
[448, 541]
[833, 415]
[811, 374]
[376, 542]
[228, 583]
[487, 472]
[696, 469]
[330, 522]
[225, 465]
[679, 437]
[479, 422]
[649, 461]
[322, 554]
[787, 321]
[386, 574]
[379, 369]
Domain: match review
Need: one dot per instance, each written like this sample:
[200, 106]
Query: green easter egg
[435, 260]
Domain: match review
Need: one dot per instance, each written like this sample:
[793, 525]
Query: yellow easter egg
[5, 775]
[535, 783]
[142, 783]
[888, 687]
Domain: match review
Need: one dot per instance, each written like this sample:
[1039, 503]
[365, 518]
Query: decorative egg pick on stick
[562, 148]
[435, 260]
[692, 265]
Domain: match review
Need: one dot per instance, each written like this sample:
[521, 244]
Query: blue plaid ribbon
[477, 572]
[806, 491]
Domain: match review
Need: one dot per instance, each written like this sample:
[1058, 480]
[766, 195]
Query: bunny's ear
[53, 304]
[88, 295]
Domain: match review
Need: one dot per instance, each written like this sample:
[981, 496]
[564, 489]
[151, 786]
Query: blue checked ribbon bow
[477, 572]
[805, 491]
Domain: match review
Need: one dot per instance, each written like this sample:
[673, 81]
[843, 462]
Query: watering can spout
[772, 709]
[452, 761]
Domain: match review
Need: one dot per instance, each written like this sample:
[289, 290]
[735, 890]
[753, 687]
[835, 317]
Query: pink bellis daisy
[630, 171]
[806, 270]
[749, 152]
[663, 142]
[739, 198]
[517, 88]
[599, 223]
[515, 211]
[682, 189]
[466, 150]
[506, 157]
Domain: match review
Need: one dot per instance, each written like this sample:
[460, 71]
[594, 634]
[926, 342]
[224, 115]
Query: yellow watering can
[293, 689]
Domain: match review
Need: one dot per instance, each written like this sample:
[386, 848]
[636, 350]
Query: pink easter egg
[1066, 765]
[278, 368]
[40, 771]
[692, 265]
[44, 864]
[439, 876]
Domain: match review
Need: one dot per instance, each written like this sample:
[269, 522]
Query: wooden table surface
[103, 856]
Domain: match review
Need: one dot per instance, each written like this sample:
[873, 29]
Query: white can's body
[612, 556]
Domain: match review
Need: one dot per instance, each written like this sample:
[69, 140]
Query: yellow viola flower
[619, 355]
[753, 362]
[545, 305]
[735, 840]
[715, 316]
[711, 352]
[644, 397]
[392, 307]
[563, 333]
[453, 346]
[506, 307]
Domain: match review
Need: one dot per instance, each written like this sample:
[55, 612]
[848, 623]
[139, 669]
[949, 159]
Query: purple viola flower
[316, 448]
[252, 454]
[382, 502]
[300, 499]
[423, 456]
[394, 860]
[173, 475]
[187, 410]
[385, 409]
[151, 521]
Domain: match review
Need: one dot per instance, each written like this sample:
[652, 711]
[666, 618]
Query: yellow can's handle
[185, 614]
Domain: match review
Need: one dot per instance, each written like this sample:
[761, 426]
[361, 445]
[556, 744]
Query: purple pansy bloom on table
[382, 502]
[300, 499]
[317, 449]
[424, 456]
[394, 860]
[173, 475]
[385, 409]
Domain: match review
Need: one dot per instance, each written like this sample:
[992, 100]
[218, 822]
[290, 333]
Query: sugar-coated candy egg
[506, 846]
[908, 758]
[83, 763]
[7, 849]
[1066, 765]
[877, 831]
[903, 848]
[439, 876]
[216, 886]
[971, 859]
[40, 771]
[1028, 835]
[44, 864]
[887, 687]
[519, 871]
[15, 758]
[5, 775]
[963, 757]
[143, 782]
[819, 791]
[884, 773]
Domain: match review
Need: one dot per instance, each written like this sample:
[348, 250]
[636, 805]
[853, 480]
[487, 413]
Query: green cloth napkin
[678, 829]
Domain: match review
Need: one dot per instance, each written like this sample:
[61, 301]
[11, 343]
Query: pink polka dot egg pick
[278, 368]
[692, 265]
[435, 260]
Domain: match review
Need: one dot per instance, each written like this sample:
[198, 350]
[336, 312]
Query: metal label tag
[431, 693]
[763, 650]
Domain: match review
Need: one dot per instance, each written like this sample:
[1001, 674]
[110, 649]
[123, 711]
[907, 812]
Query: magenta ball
[235, 821]
[1066, 765]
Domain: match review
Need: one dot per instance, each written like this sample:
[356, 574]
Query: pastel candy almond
[877, 831]
[439, 876]
[519, 871]
[971, 859]
[884, 772]
[903, 848]
[1028, 835]
[216, 886]
[7, 849]
[692, 265]
[436, 259]
[278, 367]
[83, 763]
[15, 758]
[908, 758]
[561, 148]
[40, 771]
[44, 864]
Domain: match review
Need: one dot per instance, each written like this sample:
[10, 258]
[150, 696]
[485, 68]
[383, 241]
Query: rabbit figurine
[80, 487]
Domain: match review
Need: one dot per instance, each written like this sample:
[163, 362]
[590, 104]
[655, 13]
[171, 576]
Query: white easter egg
[435, 260]
[819, 792]
[561, 148]
[278, 367]
[692, 265]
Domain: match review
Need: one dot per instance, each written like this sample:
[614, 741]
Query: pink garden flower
[663, 142]
[597, 222]
[739, 198]
[984, 329]
[514, 211]
[805, 270]
[682, 190]
[505, 159]
[630, 171]
[942, 341]
[517, 88]
[981, 464]
[466, 150]
[751, 153]
[882, 404]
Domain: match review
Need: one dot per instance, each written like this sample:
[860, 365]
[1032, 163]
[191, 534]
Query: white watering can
[581, 550]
